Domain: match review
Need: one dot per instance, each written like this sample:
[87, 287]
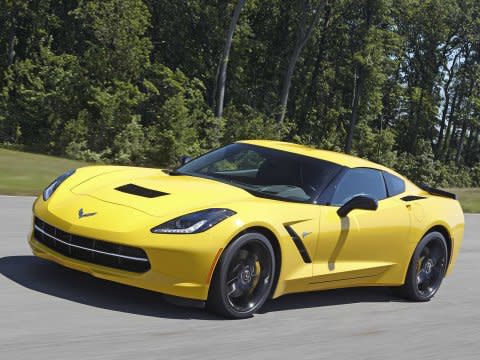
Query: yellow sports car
[250, 221]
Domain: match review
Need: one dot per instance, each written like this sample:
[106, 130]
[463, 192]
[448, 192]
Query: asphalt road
[48, 312]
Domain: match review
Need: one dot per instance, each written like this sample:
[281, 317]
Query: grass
[469, 198]
[24, 173]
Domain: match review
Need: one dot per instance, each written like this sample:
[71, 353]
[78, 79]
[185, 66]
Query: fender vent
[299, 244]
[140, 191]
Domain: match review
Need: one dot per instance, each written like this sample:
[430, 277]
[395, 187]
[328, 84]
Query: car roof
[332, 156]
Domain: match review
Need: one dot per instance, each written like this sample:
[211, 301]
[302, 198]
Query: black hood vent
[140, 191]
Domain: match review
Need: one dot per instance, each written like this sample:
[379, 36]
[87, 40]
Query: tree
[116, 43]
[304, 32]
[223, 65]
[374, 49]
[141, 81]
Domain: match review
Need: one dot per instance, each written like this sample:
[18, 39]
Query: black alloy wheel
[243, 278]
[427, 268]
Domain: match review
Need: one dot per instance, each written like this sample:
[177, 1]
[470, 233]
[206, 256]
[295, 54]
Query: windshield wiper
[174, 173]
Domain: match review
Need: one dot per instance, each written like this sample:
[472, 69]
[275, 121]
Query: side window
[395, 185]
[359, 181]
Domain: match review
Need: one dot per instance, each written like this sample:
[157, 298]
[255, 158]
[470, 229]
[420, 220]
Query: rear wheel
[427, 269]
[244, 277]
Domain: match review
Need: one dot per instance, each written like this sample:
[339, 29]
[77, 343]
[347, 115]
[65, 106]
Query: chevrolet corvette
[251, 221]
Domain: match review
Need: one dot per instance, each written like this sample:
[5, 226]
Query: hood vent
[140, 191]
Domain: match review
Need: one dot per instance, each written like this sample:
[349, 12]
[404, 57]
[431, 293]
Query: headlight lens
[194, 223]
[50, 189]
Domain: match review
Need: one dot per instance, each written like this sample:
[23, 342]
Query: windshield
[265, 172]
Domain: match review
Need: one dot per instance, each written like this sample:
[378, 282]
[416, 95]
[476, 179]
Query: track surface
[48, 312]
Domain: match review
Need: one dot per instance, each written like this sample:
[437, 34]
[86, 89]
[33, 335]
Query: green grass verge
[469, 198]
[24, 173]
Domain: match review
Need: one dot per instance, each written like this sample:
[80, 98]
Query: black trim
[140, 191]
[412, 198]
[438, 192]
[385, 183]
[93, 251]
[299, 244]
[389, 192]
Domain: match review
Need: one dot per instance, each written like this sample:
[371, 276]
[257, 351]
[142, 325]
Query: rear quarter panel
[436, 211]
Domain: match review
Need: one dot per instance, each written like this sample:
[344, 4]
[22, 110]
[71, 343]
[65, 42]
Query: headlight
[194, 223]
[50, 189]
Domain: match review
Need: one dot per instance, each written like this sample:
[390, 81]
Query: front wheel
[427, 269]
[243, 278]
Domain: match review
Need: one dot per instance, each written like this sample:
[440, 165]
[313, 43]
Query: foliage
[135, 81]
[247, 123]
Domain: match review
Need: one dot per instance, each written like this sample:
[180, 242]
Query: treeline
[145, 81]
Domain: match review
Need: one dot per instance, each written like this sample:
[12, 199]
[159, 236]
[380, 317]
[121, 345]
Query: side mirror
[185, 159]
[358, 202]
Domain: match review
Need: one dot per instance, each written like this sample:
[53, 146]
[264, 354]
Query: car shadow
[334, 297]
[49, 278]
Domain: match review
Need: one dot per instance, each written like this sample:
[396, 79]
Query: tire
[243, 278]
[426, 270]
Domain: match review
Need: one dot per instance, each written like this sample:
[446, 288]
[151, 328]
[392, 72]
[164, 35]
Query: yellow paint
[367, 248]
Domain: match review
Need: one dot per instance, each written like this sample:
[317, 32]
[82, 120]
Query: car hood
[157, 193]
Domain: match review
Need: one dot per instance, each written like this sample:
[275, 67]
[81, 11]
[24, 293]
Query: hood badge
[306, 233]
[82, 214]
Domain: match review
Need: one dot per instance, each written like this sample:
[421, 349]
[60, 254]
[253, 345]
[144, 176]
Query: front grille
[94, 251]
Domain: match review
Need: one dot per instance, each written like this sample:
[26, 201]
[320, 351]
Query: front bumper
[180, 265]
[151, 280]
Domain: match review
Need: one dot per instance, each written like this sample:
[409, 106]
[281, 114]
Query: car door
[363, 245]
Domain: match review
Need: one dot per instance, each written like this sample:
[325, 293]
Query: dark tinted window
[395, 185]
[360, 181]
[265, 171]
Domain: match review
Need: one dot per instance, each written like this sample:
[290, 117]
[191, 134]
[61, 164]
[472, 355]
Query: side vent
[299, 244]
[140, 191]
[412, 198]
